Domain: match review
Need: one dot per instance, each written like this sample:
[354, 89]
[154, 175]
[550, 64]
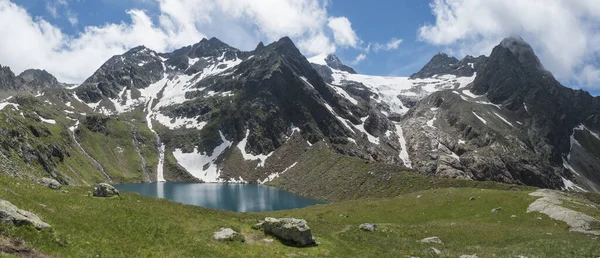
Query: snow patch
[196, 162]
[361, 127]
[430, 122]
[404, 151]
[480, 118]
[276, 175]
[470, 94]
[249, 156]
[503, 119]
[179, 122]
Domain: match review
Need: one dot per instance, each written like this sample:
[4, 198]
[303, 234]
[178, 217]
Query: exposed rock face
[10, 214]
[296, 231]
[335, 63]
[105, 190]
[30, 80]
[442, 64]
[49, 182]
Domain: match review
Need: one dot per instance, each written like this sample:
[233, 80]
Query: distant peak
[522, 50]
[260, 46]
[334, 62]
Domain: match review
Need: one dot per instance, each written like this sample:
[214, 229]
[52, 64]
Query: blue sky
[89, 31]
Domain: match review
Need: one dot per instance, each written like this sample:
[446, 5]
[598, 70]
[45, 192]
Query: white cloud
[390, 45]
[565, 33]
[36, 43]
[358, 59]
[343, 33]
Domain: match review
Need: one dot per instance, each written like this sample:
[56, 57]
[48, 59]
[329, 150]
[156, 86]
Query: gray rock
[296, 231]
[496, 209]
[10, 214]
[226, 234]
[434, 250]
[105, 190]
[434, 240]
[468, 256]
[259, 225]
[368, 227]
[49, 182]
[472, 199]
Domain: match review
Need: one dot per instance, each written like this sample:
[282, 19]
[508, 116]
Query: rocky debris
[10, 214]
[259, 225]
[433, 240]
[468, 256]
[472, 199]
[368, 227]
[434, 250]
[549, 204]
[294, 231]
[513, 216]
[226, 234]
[105, 190]
[494, 210]
[344, 215]
[49, 182]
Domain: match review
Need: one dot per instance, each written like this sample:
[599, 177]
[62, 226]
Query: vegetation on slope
[322, 173]
[135, 226]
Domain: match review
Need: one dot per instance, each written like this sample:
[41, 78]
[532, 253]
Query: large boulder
[105, 190]
[228, 234]
[293, 231]
[49, 182]
[10, 214]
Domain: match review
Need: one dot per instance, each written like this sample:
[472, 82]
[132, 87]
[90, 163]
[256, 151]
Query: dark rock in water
[293, 231]
[105, 190]
[10, 214]
[368, 227]
[49, 182]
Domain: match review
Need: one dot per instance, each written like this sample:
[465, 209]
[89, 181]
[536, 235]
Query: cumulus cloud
[358, 59]
[390, 45]
[565, 33]
[343, 33]
[36, 43]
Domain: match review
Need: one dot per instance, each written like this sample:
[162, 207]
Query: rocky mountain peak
[442, 63]
[38, 79]
[334, 62]
[523, 51]
[260, 46]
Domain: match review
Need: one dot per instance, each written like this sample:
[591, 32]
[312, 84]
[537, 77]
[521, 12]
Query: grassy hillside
[322, 173]
[137, 226]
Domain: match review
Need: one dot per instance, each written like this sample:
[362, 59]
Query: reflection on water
[233, 197]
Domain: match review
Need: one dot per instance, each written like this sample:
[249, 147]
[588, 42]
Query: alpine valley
[212, 113]
[421, 155]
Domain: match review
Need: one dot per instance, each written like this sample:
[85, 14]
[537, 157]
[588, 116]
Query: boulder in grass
[10, 214]
[368, 227]
[228, 234]
[49, 182]
[105, 190]
[431, 240]
[290, 230]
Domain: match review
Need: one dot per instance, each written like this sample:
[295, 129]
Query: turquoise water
[232, 197]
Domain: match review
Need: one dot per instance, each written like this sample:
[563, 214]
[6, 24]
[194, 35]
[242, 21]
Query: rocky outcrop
[368, 227]
[10, 214]
[227, 234]
[442, 64]
[290, 230]
[49, 182]
[105, 190]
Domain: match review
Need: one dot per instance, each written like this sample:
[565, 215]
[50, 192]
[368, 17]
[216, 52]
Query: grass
[137, 226]
[322, 173]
